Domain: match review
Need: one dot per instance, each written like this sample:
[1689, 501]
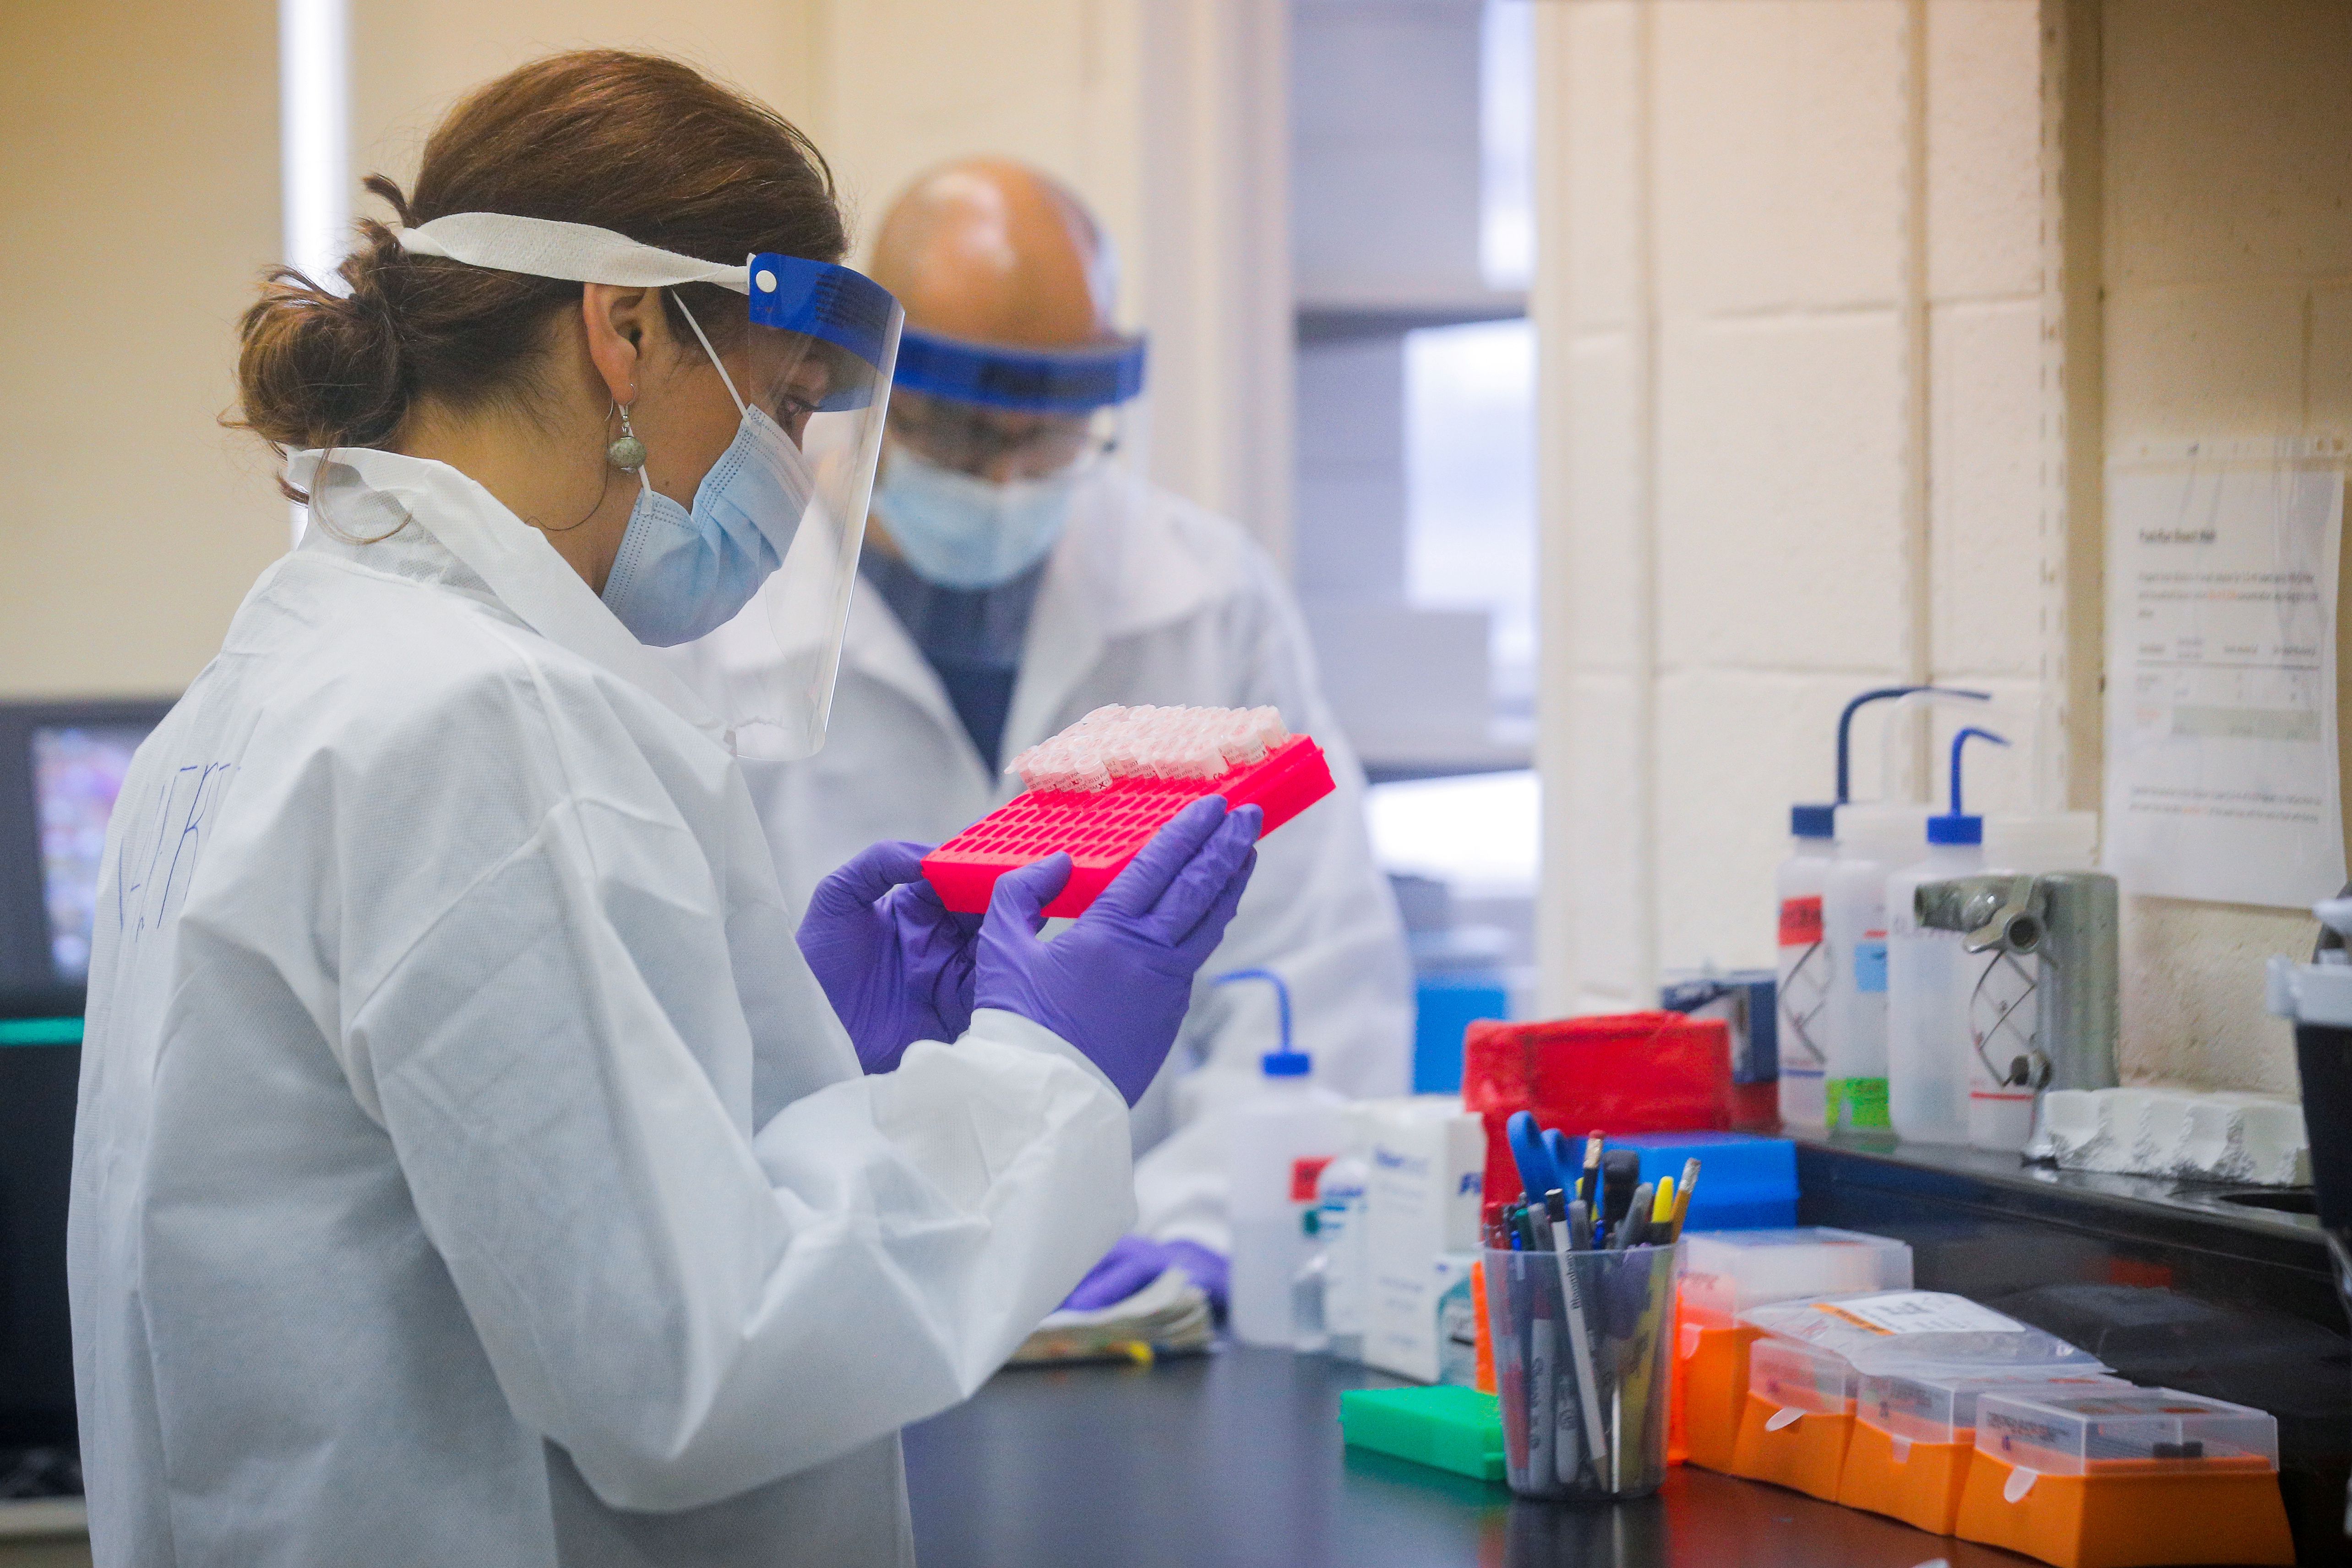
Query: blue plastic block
[1445, 1006]
[1745, 1183]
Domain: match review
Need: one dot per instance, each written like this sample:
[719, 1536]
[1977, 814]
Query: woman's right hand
[1117, 983]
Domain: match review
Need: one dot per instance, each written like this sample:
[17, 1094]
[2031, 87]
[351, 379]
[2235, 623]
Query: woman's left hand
[895, 962]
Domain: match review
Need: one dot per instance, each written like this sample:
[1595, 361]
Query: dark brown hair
[642, 145]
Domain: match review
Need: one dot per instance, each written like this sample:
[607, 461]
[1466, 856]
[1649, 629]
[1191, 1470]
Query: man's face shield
[990, 448]
[811, 374]
[1007, 414]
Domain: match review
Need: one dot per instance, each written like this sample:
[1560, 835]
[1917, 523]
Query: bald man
[1016, 575]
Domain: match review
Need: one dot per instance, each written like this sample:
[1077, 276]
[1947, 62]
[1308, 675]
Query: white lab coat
[1146, 599]
[468, 1170]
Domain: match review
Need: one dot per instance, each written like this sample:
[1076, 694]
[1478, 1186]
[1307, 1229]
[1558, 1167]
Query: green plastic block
[1450, 1427]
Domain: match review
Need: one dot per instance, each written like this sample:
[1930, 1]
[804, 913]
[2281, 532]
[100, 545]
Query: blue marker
[1563, 1156]
[1528, 1151]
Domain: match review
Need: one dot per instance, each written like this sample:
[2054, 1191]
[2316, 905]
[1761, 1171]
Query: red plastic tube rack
[1104, 829]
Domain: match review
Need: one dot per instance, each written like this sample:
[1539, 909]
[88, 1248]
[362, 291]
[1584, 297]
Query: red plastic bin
[1103, 829]
[1623, 1072]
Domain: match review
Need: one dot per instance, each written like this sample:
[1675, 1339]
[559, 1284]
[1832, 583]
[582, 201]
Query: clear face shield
[820, 349]
[764, 561]
[989, 445]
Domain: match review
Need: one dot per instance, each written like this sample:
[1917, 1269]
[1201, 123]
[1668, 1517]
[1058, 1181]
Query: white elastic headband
[576, 252]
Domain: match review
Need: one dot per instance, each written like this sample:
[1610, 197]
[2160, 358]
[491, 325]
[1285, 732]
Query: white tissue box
[1426, 1157]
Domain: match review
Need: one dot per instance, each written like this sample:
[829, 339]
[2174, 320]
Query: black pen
[1629, 1231]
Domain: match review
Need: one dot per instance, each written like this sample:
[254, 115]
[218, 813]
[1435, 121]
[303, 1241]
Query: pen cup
[1582, 1344]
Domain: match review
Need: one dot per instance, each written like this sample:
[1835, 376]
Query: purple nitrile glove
[895, 962]
[1132, 1262]
[1209, 1270]
[1135, 1261]
[1116, 984]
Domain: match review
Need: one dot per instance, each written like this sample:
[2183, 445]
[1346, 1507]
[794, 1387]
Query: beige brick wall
[138, 201]
[1751, 209]
[2228, 169]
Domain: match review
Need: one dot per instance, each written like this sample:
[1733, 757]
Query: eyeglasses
[991, 442]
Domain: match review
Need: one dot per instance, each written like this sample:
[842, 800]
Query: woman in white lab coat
[469, 1167]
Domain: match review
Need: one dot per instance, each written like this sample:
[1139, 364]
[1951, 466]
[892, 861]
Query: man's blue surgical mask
[959, 531]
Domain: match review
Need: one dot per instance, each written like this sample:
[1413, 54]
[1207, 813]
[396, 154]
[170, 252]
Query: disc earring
[628, 453]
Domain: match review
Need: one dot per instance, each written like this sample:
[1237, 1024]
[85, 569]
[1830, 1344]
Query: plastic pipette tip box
[1103, 829]
[1798, 1419]
[1444, 1427]
[2125, 1479]
[1726, 1272]
[1915, 1433]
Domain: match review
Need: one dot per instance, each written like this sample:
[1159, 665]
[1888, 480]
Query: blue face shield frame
[1020, 379]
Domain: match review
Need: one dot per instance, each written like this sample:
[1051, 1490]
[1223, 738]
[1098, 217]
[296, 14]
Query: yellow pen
[1661, 1209]
[1683, 1199]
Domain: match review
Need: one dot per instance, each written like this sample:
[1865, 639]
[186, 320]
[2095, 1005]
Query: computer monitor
[61, 766]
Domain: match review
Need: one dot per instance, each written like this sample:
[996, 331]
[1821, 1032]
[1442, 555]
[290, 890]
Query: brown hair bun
[645, 146]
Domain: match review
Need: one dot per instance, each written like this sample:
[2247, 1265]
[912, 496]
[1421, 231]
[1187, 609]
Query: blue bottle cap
[1812, 821]
[1957, 827]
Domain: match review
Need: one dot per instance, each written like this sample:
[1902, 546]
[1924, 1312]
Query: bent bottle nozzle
[2069, 919]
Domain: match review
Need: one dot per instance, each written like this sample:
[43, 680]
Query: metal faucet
[2068, 919]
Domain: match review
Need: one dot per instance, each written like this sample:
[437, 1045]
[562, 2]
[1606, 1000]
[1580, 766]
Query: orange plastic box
[1798, 1418]
[1726, 1272]
[1102, 829]
[1913, 1432]
[1710, 1390]
[2125, 1479]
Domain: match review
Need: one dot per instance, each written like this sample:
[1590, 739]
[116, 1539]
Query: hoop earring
[626, 454]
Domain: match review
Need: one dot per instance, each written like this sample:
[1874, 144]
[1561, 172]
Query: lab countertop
[1235, 1459]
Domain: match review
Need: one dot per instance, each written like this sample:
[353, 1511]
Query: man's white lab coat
[1146, 598]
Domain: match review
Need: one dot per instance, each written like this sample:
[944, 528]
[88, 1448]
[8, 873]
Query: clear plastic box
[1725, 1272]
[1796, 1376]
[2112, 1430]
[1886, 1330]
[1931, 1406]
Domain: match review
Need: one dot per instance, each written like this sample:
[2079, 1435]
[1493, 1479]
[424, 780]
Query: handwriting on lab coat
[164, 861]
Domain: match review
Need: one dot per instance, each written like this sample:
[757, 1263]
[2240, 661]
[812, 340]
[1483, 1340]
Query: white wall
[1809, 369]
[411, 60]
[138, 204]
[1384, 139]
[1167, 117]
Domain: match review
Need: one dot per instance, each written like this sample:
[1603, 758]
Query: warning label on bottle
[1304, 1175]
[1800, 922]
[1870, 963]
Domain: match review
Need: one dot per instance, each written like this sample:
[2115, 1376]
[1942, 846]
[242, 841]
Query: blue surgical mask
[962, 531]
[681, 574]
